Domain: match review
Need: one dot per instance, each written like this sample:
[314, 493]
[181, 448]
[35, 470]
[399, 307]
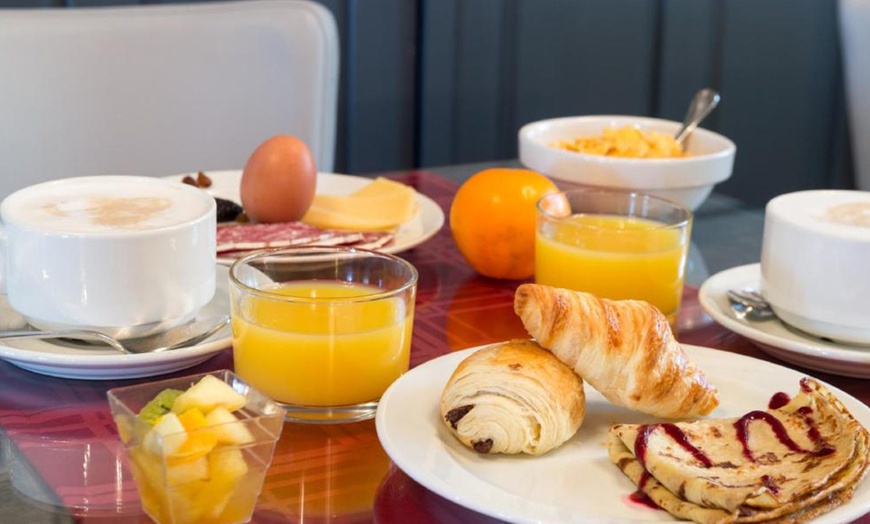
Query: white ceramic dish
[772, 336]
[424, 224]
[686, 180]
[50, 358]
[814, 255]
[576, 482]
[55, 241]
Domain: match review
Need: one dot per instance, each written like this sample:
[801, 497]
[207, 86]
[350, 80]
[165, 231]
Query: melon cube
[188, 471]
[207, 394]
[227, 462]
[166, 436]
[227, 427]
[228, 467]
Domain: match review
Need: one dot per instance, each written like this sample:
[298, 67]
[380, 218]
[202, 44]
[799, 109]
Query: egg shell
[279, 181]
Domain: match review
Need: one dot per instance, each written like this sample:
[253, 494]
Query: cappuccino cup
[124, 255]
[815, 262]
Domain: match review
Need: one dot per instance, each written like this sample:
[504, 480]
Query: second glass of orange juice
[322, 330]
[613, 244]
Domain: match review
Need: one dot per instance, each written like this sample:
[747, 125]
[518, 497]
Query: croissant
[624, 349]
[513, 397]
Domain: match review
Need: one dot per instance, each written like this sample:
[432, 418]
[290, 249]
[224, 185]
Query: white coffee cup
[815, 262]
[124, 255]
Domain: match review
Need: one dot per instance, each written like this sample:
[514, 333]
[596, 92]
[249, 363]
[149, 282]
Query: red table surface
[63, 436]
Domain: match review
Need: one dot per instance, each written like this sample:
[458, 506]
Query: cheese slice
[381, 205]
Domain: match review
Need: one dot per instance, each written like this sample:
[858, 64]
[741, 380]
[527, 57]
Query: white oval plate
[576, 482]
[423, 225]
[48, 358]
[772, 336]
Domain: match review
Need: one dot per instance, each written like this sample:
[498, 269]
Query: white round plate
[772, 336]
[422, 226]
[576, 482]
[48, 358]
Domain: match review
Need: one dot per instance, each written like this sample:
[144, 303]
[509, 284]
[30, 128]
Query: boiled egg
[279, 180]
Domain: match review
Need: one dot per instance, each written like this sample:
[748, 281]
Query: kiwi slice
[159, 405]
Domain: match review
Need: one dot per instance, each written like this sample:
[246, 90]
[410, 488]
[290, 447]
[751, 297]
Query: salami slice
[238, 239]
[375, 240]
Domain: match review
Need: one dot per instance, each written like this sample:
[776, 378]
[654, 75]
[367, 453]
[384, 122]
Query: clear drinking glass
[616, 245]
[322, 330]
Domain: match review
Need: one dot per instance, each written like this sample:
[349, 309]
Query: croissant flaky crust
[624, 348]
[513, 397]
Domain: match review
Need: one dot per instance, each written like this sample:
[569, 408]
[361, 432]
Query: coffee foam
[850, 214]
[834, 212]
[104, 204]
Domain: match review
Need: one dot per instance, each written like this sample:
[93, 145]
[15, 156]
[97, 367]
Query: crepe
[790, 463]
[623, 348]
[513, 397]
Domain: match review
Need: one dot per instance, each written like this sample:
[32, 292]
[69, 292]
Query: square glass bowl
[205, 481]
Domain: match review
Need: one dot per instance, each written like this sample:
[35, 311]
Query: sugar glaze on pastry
[513, 397]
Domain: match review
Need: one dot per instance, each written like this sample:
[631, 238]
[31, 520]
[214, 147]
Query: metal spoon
[180, 336]
[702, 104]
[750, 305]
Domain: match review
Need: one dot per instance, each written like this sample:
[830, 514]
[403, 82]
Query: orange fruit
[493, 218]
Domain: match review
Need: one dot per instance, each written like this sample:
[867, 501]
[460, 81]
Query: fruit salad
[197, 453]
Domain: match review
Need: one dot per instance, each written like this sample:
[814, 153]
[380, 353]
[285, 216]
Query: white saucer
[48, 358]
[421, 227]
[772, 336]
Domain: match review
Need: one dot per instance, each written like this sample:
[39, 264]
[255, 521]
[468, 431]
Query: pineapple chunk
[166, 436]
[148, 468]
[215, 496]
[227, 467]
[228, 428]
[181, 501]
[227, 463]
[207, 394]
[189, 471]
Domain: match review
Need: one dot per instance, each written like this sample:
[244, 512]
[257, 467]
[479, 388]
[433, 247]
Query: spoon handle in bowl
[702, 104]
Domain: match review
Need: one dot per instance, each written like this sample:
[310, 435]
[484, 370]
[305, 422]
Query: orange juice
[616, 257]
[325, 345]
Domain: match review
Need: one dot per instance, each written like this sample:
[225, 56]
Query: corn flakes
[626, 142]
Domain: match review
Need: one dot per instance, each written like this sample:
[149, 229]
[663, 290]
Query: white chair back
[855, 34]
[160, 90]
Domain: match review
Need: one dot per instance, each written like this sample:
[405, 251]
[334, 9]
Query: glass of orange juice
[616, 245]
[322, 330]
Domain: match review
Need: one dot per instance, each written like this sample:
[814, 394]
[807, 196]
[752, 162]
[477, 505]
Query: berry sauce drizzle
[742, 427]
[640, 445]
[778, 400]
[639, 497]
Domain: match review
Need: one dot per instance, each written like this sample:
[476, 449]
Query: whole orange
[493, 218]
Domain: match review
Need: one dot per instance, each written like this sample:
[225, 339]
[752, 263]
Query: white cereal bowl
[687, 180]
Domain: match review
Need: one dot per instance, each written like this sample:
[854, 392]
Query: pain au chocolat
[623, 348]
[513, 397]
[789, 463]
